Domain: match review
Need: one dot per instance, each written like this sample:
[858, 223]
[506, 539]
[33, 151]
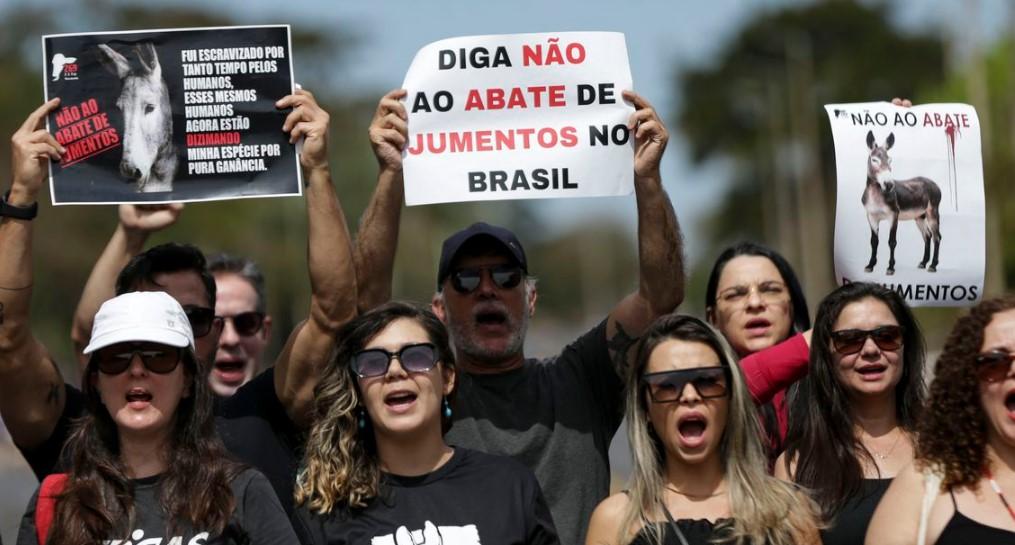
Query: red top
[770, 371]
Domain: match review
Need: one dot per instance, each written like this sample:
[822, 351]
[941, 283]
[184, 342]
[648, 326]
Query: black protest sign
[170, 115]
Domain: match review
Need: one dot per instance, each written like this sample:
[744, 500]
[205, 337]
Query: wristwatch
[17, 212]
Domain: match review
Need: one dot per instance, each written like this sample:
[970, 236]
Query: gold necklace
[694, 496]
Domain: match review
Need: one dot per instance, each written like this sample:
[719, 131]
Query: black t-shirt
[252, 423]
[557, 416]
[258, 518]
[474, 499]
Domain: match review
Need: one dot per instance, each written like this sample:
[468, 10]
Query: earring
[361, 421]
[447, 408]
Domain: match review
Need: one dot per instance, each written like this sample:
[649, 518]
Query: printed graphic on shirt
[431, 534]
[137, 538]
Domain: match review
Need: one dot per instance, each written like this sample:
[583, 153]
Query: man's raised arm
[31, 389]
[377, 238]
[660, 244]
[136, 223]
[329, 259]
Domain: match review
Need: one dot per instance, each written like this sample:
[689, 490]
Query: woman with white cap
[146, 463]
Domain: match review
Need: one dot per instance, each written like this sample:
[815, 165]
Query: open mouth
[1009, 403]
[400, 400]
[138, 398]
[757, 326]
[691, 429]
[872, 371]
[230, 370]
[491, 317]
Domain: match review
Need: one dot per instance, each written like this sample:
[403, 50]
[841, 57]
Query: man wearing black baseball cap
[558, 415]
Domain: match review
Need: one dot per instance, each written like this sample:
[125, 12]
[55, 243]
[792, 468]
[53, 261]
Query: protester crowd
[388, 423]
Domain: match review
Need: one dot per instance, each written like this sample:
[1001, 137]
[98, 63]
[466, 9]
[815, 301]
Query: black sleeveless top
[962, 530]
[850, 524]
[695, 531]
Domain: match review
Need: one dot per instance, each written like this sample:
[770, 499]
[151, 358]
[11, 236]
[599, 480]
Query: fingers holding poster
[910, 206]
[518, 117]
[170, 115]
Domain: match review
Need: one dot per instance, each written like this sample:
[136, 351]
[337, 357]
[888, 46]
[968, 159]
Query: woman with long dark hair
[146, 465]
[699, 471]
[852, 418]
[754, 299]
[961, 489]
[377, 468]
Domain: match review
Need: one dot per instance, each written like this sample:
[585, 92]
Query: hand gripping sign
[520, 116]
[910, 207]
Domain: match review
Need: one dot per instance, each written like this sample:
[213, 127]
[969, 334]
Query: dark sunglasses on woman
[668, 386]
[157, 358]
[993, 366]
[414, 358]
[851, 341]
[505, 277]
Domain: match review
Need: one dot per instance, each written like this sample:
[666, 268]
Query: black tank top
[962, 530]
[850, 524]
[696, 532]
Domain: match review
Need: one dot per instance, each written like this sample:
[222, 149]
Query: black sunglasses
[851, 341]
[505, 277]
[157, 358]
[246, 323]
[414, 358]
[993, 366]
[668, 386]
[202, 319]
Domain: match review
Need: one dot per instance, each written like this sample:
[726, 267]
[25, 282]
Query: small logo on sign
[64, 66]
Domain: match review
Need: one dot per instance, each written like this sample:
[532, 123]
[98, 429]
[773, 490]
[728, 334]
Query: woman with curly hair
[853, 417]
[377, 469]
[699, 473]
[146, 465]
[961, 489]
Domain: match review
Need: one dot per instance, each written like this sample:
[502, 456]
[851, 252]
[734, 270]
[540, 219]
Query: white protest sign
[910, 207]
[518, 116]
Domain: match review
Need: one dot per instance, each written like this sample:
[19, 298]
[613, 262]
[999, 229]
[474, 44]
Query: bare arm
[31, 388]
[660, 244]
[329, 259]
[136, 223]
[896, 520]
[604, 526]
[377, 238]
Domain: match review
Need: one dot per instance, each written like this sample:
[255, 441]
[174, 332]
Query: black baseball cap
[499, 235]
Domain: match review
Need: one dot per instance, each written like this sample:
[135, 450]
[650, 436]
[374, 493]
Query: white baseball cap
[141, 316]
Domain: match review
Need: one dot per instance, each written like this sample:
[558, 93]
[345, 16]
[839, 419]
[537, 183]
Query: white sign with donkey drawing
[910, 207]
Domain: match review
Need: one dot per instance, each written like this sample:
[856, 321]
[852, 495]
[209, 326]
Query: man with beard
[556, 415]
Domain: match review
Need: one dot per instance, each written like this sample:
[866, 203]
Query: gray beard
[474, 351]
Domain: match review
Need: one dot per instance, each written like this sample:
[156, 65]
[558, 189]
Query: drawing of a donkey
[149, 157]
[886, 198]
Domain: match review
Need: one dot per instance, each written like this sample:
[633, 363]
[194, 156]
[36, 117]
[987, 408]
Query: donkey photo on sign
[886, 198]
[149, 156]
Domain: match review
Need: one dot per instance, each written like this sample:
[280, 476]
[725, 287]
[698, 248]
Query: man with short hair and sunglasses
[246, 327]
[259, 424]
[557, 415]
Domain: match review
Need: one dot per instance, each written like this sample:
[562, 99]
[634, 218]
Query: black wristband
[17, 212]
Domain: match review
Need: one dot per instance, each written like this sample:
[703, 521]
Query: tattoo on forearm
[619, 346]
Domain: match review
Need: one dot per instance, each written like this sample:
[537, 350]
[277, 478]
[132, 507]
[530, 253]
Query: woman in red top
[754, 299]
